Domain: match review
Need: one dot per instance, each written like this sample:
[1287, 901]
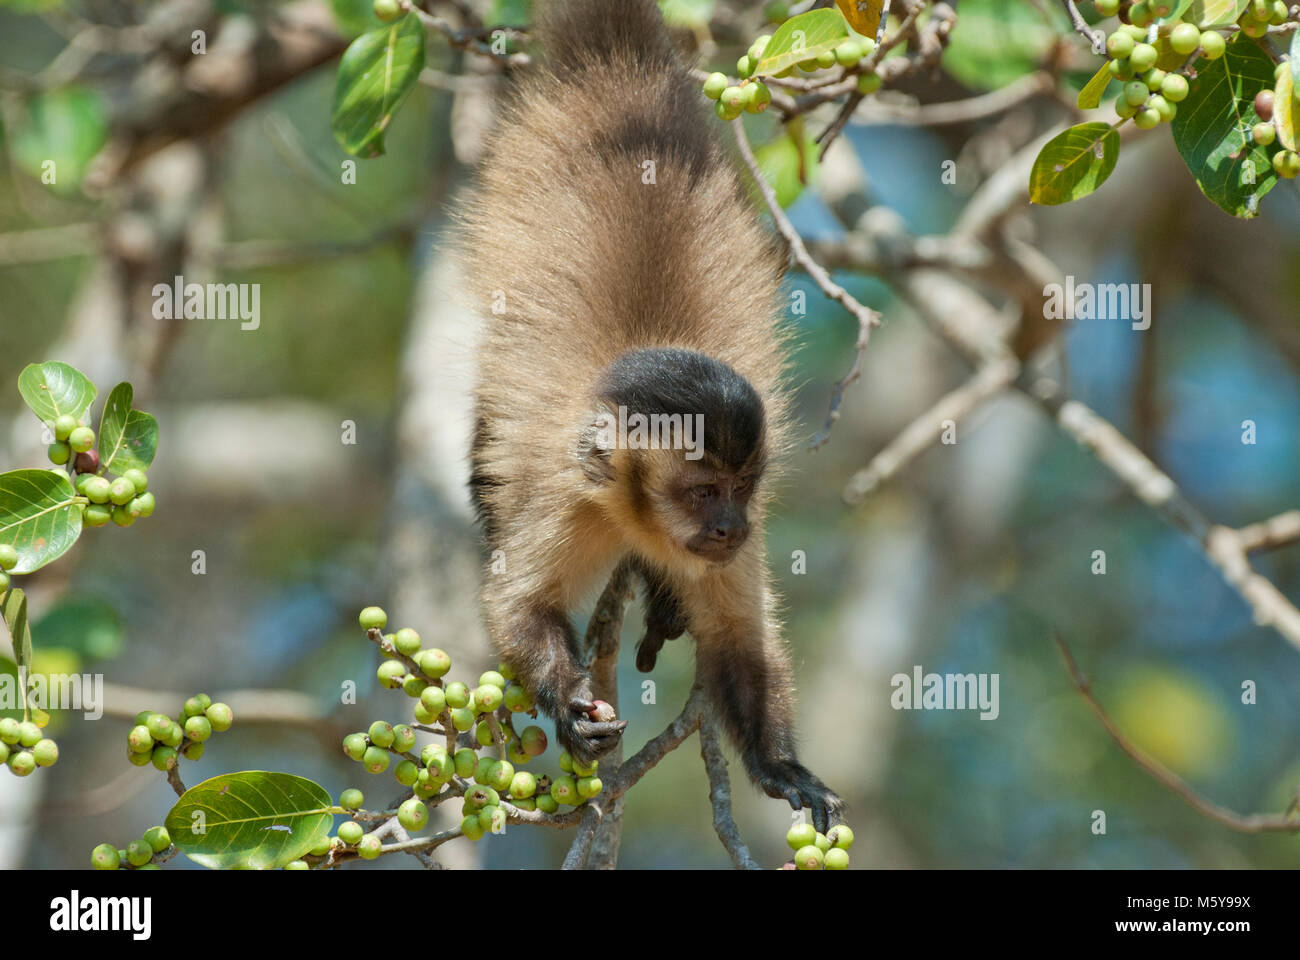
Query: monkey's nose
[731, 536]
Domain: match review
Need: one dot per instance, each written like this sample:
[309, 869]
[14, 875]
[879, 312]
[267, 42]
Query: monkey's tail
[580, 34]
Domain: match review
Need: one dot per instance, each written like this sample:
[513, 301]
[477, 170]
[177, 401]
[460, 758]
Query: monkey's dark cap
[683, 382]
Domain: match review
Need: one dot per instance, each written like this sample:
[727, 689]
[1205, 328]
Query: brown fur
[591, 263]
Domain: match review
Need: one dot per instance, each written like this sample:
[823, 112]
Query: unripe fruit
[406, 773]
[175, 735]
[369, 847]
[220, 716]
[387, 10]
[4, 752]
[848, 53]
[98, 489]
[104, 857]
[139, 759]
[516, 699]
[121, 491]
[1264, 101]
[841, 836]
[375, 759]
[1185, 38]
[403, 738]
[1147, 120]
[164, 758]
[869, 83]
[157, 839]
[836, 859]
[81, 439]
[45, 752]
[63, 426]
[441, 768]
[465, 760]
[4, 581]
[196, 704]
[407, 641]
[1263, 134]
[8, 556]
[1143, 57]
[457, 694]
[122, 516]
[96, 516]
[526, 803]
[350, 832]
[496, 819]
[725, 112]
[483, 733]
[29, 734]
[432, 753]
[826, 59]
[1163, 107]
[87, 463]
[1136, 92]
[354, 745]
[1154, 78]
[381, 734]
[142, 506]
[821, 843]
[373, 618]
[480, 797]
[58, 453]
[589, 787]
[801, 835]
[745, 66]
[462, 718]
[493, 678]
[413, 814]
[714, 85]
[566, 761]
[1286, 163]
[523, 785]
[198, 729]
[732, 98]
[22, 763]
[193, 751]
[809, 858]
[137, 478]
[515, 753]
[471, 828]
[500, 774]
[1254, 28]
[1120, 69]
[1174, 88]
[1119, 45]
[9, 730]
[1140, 14]
[483, 769]
[413, 686]
[138, 853]
[351, 799]
[433, 699]
[434, 662]
[488, 697]
[581, 769]
[547, 803]
[1212, 45]
[565, 790]
[1106, 8]
[533, 741]
[391, 673]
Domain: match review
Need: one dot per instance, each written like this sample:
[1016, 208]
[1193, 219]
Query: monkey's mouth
[716, 552]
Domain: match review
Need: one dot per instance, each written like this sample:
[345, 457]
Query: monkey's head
[676, 452]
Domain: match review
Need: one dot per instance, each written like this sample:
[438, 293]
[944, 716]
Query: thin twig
[715, 764]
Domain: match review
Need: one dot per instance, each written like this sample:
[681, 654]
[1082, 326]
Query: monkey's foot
[583, 737]
[647, 651]
[794, 783]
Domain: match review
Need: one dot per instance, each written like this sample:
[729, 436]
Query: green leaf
[1212, 129]
[802, 38]
[67, 126]
[1295, 60]
[376, 73]
[87, 627]
[996, 42]
[1211, 13]
[256, 820]
[13, 605]
[784, 168]
[1176, 14]
[1090, 96]
[39, 515]
[689, 14]
[355, 17]
[1284, 110]
[52, 389]
[127, 438]
[1073, 164]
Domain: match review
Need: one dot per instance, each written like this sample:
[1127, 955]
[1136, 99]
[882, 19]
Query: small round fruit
[137, 478]
[809, 858]
[801, 835]
[433, 699]
[9, 730]
[589, 787]
[1120, 69]
[565, 790]
[413, 814]
[1125, 109]
[483, 733]
[407, 641]
[471, 828]
[457, 694]
[29, 734]
[1143, 57]
[391, 673]
[381, 734]
[220, 716]
[836, 859]
[198, 729]
[848, 53]
[121, 491]
[45, 752]
[1174, 88]
[522, 785]
[1147, 119]
[841, 836]
[369, 847]
[157, 838]
[123, 517]
[533, 740]
[21, 763]
[1136, 92]
[1286, 163]
[58, 453]
[196, 704]
[1154, 78]
[81, 439]
[164, 758]
[138, 853]
[1263, 133]
[375, 760]
[500, 774]
[869, 83]
[98, 489]
[1140, 14]
[8, 556]
[1106, 8]
[1185, 38]
[104, 857]
[492, 677]
[547, 803]
[1264, 102]
[433, 662]
[462, 718]
[354, 745]
[373, 618]
[63, 426]
[465, 761]
[350, 832]
[1163, 107]
[351, 799]
[193, 751]
[581, 769]
[139, 759]
[387, 10]
[403, 738]
[821, 842]
[745, 66]
[1119, 45]
[714, 85]
[488, 697]
[86, 462]
[566, 761]
[96, 515]
[413, 686]
[517, 700]
[1213, 45]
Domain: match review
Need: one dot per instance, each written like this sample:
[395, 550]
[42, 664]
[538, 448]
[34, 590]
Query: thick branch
[720, 798]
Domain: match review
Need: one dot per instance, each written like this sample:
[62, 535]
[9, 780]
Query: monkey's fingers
[580, 704]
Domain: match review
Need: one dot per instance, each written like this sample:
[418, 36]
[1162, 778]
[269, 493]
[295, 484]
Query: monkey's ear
[596, 442]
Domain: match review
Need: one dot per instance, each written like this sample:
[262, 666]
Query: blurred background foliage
[965, 563]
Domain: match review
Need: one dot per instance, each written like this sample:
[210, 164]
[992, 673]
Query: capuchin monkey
[623, 274]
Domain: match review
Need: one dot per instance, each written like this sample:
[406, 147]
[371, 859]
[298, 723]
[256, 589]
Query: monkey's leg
[749, 682]
[539, 647]
[665, 617]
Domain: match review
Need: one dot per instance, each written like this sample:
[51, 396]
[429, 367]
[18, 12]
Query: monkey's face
[711, 510]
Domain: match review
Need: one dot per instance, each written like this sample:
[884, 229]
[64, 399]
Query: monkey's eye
[702, 491]
[743, 485]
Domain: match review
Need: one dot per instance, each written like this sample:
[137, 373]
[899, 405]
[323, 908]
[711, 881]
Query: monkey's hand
[791, 781]
[583, 737]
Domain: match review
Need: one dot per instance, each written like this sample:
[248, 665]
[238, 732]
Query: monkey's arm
[665, 617]
[747, 672]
